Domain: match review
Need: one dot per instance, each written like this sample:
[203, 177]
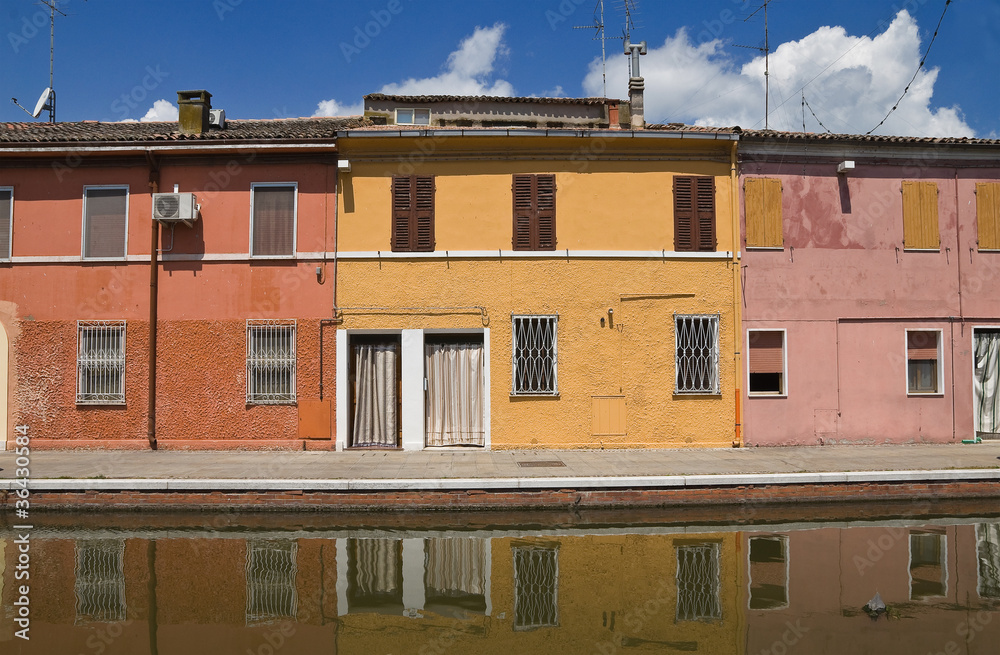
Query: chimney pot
[193, 109]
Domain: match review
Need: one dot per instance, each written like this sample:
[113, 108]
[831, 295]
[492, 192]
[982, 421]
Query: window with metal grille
[536, 587]
[697, 360]
[694, 213]
[6, 220]
[988, 553]
[272, 224]
[270, 361]
[534, 355]
[105, 211]
[534, 212]
[924, 375]
[413, 213]
[100, 581]
[270, 579]
[698, 583]
[100, 362]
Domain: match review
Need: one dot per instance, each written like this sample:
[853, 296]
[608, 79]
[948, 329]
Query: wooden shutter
[6, 200]
[273, 220]
[534, 200]
[987, 215]
[767, 352]
[762, 203]
[413, 213]
[921, 345]
[694, 213]
[920, 216]
[105, 223]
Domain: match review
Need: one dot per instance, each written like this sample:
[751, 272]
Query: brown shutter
[105, 223]
[5, 221]
[273, 220]
[521, 191]
[683, 213]
[987, 215]
[766, 352]
[705, 207]
[545, 212]
[921, 345]
[422, 233]
[401, 212]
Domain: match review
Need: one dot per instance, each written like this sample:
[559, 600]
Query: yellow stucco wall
[622, 202]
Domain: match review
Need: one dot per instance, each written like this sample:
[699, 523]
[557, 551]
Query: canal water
[739, 580]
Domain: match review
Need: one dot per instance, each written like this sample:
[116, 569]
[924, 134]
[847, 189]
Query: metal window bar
[698, 583]
[534, 355]
[270, 579]
[697, 360]
[536, 588]
[270, 361]
[100, 362]
[100, 581]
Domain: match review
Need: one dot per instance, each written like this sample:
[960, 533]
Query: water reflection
[651, 587]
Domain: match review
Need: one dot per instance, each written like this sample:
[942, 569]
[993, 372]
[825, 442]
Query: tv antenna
[767, 51]
[629, 7]
[48, 98]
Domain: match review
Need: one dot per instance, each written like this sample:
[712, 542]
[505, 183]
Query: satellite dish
[42, 101]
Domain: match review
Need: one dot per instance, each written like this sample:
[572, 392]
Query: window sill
[905, 249]
[269, 403]
[766, 394]
[774, 248]
[100, 403]
[715, 394]
[260, 257]
[535, 395]
[925, 394]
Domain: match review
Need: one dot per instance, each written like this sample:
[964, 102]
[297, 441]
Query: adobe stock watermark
[363, 35]
[124, 105]
[223, 7]
[31, 27]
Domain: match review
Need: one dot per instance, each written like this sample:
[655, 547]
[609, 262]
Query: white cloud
[468, 72]
[850, 82]
[162, 110]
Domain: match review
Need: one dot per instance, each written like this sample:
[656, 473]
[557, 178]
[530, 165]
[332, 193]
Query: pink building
[871, 288]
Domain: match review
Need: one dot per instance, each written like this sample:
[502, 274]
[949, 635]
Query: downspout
[961, 315]
[334, 320]
[737, 316]
[154, 245]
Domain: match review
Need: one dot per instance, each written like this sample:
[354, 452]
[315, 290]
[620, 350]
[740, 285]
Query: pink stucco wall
[845, 291]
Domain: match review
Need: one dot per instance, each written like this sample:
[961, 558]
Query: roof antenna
[48, 98]
[766, 50]
[599, 26]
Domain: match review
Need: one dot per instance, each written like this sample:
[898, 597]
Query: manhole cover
[541, 463]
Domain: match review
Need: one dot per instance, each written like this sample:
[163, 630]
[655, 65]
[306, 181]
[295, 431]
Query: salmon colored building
[872, 294]
[237, 290]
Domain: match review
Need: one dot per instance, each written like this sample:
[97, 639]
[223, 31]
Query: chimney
[636, 85]
[193, 111]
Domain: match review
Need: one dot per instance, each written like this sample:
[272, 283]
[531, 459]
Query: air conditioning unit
[173, 208]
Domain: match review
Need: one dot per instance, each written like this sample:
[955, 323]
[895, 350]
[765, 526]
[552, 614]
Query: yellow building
[522, 273]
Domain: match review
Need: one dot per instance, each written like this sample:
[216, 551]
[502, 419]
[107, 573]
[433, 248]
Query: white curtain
[455, 394]
[456, 566]
[375, 395]
[987, 379]
[378, 566]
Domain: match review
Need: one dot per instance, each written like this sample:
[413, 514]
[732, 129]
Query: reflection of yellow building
[587, 274]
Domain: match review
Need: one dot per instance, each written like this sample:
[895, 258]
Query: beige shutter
[766, 352]
[920, 216]
[762, 201]
[987, 215]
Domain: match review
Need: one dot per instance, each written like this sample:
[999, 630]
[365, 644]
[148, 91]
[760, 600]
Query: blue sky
[115, 59]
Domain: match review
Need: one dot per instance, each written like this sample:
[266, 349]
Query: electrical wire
[814, 115]
[916, 72]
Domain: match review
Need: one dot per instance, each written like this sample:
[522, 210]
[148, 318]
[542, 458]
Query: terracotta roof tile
[773, 135]
[442, 98]
[281, 129]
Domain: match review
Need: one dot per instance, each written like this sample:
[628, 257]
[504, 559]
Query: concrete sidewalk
[500, 469]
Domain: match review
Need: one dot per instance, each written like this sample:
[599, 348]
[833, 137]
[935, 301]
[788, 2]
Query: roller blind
[767, 352]
[921, 345]
[273, 221]
[104, 222]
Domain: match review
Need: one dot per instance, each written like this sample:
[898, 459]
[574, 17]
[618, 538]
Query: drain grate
[540, 463]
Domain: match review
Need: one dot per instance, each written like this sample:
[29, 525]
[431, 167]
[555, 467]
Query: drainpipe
[154, 244]
[737, 317]
[334, 320]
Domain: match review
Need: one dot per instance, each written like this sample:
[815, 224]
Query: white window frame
[939, 391]
[943, 541]
[413, 111]
[716, 374]
[295, 218]
[85, 362]
[783, 540]
[784, 364]
[10, 225]
[553, 353]
[254, 360]
[83, 221]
